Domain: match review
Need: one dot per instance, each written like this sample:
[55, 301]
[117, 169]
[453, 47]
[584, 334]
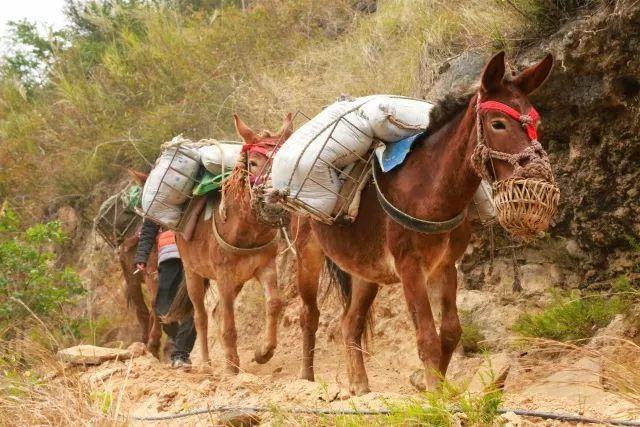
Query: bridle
[264, 148]
[533, 161]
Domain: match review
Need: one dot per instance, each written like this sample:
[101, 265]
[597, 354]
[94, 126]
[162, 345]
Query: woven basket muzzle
[525, 206]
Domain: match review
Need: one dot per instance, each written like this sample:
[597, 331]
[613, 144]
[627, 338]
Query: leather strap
[412, 223]
[235, 249]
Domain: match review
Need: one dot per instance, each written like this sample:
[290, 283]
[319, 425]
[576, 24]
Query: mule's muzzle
[525, 206]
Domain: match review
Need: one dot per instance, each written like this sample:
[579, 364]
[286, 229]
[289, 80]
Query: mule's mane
[234, 186]
[446, 108]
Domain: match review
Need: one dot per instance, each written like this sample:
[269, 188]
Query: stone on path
[491, 374]
[92, 355]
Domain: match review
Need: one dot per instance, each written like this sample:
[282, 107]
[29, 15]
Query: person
[170, 273]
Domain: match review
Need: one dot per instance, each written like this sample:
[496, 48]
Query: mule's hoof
[417, 380]
[306, 374]
[263, 357]
[233, 369]
[154, 349]
[359, 389]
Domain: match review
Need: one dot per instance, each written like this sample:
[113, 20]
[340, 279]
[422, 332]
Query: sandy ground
[146, 387]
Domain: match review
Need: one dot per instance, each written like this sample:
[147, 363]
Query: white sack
[385, 117]
[212, 156]
[167, 189]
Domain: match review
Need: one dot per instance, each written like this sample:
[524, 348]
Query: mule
[436, 183]
[231, 248]
[150, 329]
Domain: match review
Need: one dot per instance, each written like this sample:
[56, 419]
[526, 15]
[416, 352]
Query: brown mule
[436, 183]
[150, 329]
[232, 250]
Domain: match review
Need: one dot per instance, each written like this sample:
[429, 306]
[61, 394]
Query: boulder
[91, 354]
[491, 374]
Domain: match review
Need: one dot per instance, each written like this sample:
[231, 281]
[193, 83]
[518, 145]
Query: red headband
[264, 147]
[529, 121]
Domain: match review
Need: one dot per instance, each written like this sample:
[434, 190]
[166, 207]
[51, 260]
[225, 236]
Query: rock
[573, 249]
[491, 374]
[579, 383]
[239, 419]
[617, 328]
[137, 349]
[91, 354]
[457, 75]
[539, 278]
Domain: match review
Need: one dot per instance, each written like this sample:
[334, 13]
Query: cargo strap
[235, 249]
[415, 224]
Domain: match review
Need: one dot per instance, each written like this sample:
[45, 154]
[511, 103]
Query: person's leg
[184, 340]
[169, 279]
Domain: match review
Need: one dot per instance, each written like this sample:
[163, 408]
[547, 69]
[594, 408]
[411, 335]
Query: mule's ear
[138, 177]
[533, 77]
[286, 130]
[493, 72]
[243, 130]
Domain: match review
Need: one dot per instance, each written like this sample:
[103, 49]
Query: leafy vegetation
[30, 280]
[445, 407]
[128, 75]
[472, 336]
[571, 319]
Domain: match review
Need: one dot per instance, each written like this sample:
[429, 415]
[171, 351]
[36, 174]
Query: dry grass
[619, 358]
[35, 389]
[187, 74]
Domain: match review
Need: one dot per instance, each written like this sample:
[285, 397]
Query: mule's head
[258, 146]
[508, 152]
[508, 144]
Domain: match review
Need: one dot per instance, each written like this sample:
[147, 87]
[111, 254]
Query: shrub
[577, 319]
[472, 336]
[29, 276]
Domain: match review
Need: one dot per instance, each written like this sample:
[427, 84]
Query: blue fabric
[395, 153]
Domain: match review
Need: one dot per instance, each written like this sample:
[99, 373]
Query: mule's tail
[340, 279]
[181, 307]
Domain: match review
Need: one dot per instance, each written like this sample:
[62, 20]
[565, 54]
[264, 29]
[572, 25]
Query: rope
[311, 411]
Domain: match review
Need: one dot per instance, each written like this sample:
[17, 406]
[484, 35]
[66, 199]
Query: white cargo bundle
[220, 154]
[171, 182]
[337, 136]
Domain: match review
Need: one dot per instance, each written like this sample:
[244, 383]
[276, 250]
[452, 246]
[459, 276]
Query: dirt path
[146, 387]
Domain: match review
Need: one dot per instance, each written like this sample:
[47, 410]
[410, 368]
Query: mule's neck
[439, 179]
[242, 227]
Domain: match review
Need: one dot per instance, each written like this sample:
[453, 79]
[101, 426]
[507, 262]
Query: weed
[472, 336]
[578, 318]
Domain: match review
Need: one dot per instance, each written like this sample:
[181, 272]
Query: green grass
[445, 407]
[578, 318]
[472, 336]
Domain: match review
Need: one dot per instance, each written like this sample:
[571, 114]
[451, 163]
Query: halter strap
[483, 154]
[529, 121]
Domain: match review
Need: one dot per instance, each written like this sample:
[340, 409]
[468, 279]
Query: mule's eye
[498, 125]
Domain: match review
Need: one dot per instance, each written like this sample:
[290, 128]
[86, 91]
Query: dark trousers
[182, 334]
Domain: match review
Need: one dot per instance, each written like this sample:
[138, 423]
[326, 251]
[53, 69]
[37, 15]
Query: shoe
[180, 363]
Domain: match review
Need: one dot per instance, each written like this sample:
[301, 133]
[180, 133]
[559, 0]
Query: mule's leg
[309, 260]
[135, 298]
[196, 290]
[450, 329]
[268, 277]
[353, 325]
[228, 335]
[155, 328]
[428, 343]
